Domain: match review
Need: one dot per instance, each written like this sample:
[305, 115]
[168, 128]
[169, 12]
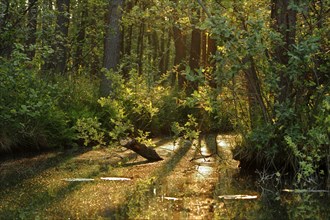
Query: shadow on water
[22, 194]
[17, 168]
[131, 164]
[176, 188]
[137, 199]
[35, 203]
[41, 188]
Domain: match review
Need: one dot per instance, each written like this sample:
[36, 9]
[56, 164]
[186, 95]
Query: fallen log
[238, 197]
[78, 179]
[305, 191]
[116, 178]
[141, 149]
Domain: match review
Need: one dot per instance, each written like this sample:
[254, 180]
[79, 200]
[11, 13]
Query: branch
[204, 8]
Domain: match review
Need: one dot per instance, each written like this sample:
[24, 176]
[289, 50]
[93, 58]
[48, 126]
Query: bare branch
[204, 8]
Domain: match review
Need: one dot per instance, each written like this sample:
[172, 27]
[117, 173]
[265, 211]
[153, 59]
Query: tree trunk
[195, 54]
[32, 26]
[78, 59]
[112, 43]
[257, 106]
[5, 17]
[210, 62]
[140, 47]
[162, 53]
[167, 51]
[195, 50]
[127, 44]
[141, 149]
[95, 61]
[284, 22]
[62, 28]
[204, 42]
[180, 54]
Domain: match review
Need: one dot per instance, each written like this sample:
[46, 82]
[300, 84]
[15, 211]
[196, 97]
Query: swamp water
[199, 181]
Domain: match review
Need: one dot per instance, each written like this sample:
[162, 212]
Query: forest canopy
[89, 72]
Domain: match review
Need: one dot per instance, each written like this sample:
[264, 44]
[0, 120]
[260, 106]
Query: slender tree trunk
[5, 16]
[162, 53]
[204, 42]
[78, 59]
[210, 62]
[155, 42]
[180, 46]
[195, 51]
[62, 29]
[180, 54]
[95, 60]
[128, 31]
[167, 51]
[128, 44]
[257, 106]
[32, 26]
[284, 22]
[140, 47]
[111, 44]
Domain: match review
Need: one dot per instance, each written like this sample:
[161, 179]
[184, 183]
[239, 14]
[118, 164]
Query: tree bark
[210, 62]
[62, 28]
[78, 59]
[284, 22]
[257, 106]
[32, 26]
[195, 50]
[162, 53]
[140, 47]
[112, 43]
[180, 53]
[195, 54]
[141, 149]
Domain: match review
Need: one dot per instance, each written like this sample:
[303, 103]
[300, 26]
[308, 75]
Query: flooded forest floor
[194, 181]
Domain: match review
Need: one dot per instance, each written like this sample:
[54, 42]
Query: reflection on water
[223, 143]
[203, 172]
[167, 148]
[192, 191]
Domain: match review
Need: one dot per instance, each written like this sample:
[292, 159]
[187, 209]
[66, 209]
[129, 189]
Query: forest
[90, 73]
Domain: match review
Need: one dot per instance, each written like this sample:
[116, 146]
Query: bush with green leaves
[297, 137]
[188, 131]
[90, 131]
[30, 116]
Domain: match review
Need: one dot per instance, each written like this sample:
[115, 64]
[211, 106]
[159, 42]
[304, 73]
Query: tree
[62, 30]
[112, 44]
[32, 26]
[82, 16]
[284, 22]
[57, 61]
[195, 47]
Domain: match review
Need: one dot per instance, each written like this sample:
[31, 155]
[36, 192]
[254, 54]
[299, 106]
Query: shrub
[30, 116]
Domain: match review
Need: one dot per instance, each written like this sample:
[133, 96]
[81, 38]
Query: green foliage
[188, 131]
[115, 117]
[143, 137]
[90, 131]
[294, 92]
[274, 92]
[29, 113]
